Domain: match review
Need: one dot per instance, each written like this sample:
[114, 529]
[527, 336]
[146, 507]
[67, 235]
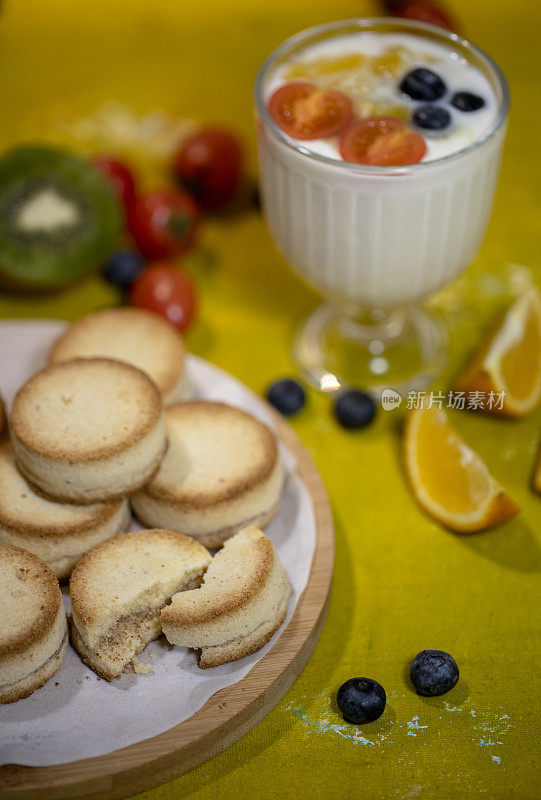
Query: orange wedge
[448, 478]
[509, 363]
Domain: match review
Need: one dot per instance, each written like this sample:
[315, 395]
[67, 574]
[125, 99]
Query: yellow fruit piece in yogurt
[389, 63]
[325, 66]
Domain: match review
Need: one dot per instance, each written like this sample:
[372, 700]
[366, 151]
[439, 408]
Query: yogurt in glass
[375, 238]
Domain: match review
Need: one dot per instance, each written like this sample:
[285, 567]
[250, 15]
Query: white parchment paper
[76, 715]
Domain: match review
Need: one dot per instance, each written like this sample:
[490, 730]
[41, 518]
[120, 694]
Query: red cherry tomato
[382, 141]
[305, 112]
[164, 223]
[120, 179]
[209, 166]
[424, 11]
[167, 291]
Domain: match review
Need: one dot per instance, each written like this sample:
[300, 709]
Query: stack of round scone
[88, 430]
[128, 590]
[59, 533]
[33, 630]
[241, 603]
[222, 472]
[90, 434]
[118, 590]
[139, 337]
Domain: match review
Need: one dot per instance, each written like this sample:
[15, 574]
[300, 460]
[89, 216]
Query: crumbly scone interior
[136, 626]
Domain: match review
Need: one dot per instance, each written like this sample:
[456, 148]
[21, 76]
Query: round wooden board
[228, 715]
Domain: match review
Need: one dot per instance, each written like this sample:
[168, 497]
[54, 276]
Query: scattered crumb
[139, 668]
[56, 683]
[79, 680]
[87, 677]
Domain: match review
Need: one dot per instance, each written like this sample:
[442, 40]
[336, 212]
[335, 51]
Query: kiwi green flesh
[51, 257]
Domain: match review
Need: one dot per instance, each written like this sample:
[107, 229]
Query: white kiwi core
[46, 210]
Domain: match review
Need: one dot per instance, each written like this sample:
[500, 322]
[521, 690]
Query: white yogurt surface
[365, 88]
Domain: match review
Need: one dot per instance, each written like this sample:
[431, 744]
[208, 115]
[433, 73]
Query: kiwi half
[58, 218]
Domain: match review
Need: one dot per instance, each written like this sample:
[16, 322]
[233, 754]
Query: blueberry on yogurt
[423, 84]
[432, 118]
[467, 101]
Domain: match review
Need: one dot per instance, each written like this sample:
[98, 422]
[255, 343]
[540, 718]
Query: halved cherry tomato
[381, 141]
[209, 165]
[164, 223]
[305, 112]
[119, 177]
[167, 291]
[424, 11]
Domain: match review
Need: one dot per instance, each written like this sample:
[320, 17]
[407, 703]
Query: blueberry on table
[361, 700]
[354, 409]
[467, 101]
[433, 672]
[287, 396]
[123, 267]
[423, 84]
[432, 118]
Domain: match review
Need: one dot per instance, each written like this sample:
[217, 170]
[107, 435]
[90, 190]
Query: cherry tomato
[382, 141]
[209, 166]
[305, 112]
[167, 291]
[164, 223]
[424, 11]
[120, 179]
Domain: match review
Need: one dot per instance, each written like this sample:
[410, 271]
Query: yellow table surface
[401, 582]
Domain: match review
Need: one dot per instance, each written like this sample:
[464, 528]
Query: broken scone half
[118, 590]
[240, 604]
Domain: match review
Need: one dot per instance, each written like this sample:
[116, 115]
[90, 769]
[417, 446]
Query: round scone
[240, 604]
[134, 335]
[59, 533]
[118, 590]
[88, 430]
[33, 629]
[222, 472]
